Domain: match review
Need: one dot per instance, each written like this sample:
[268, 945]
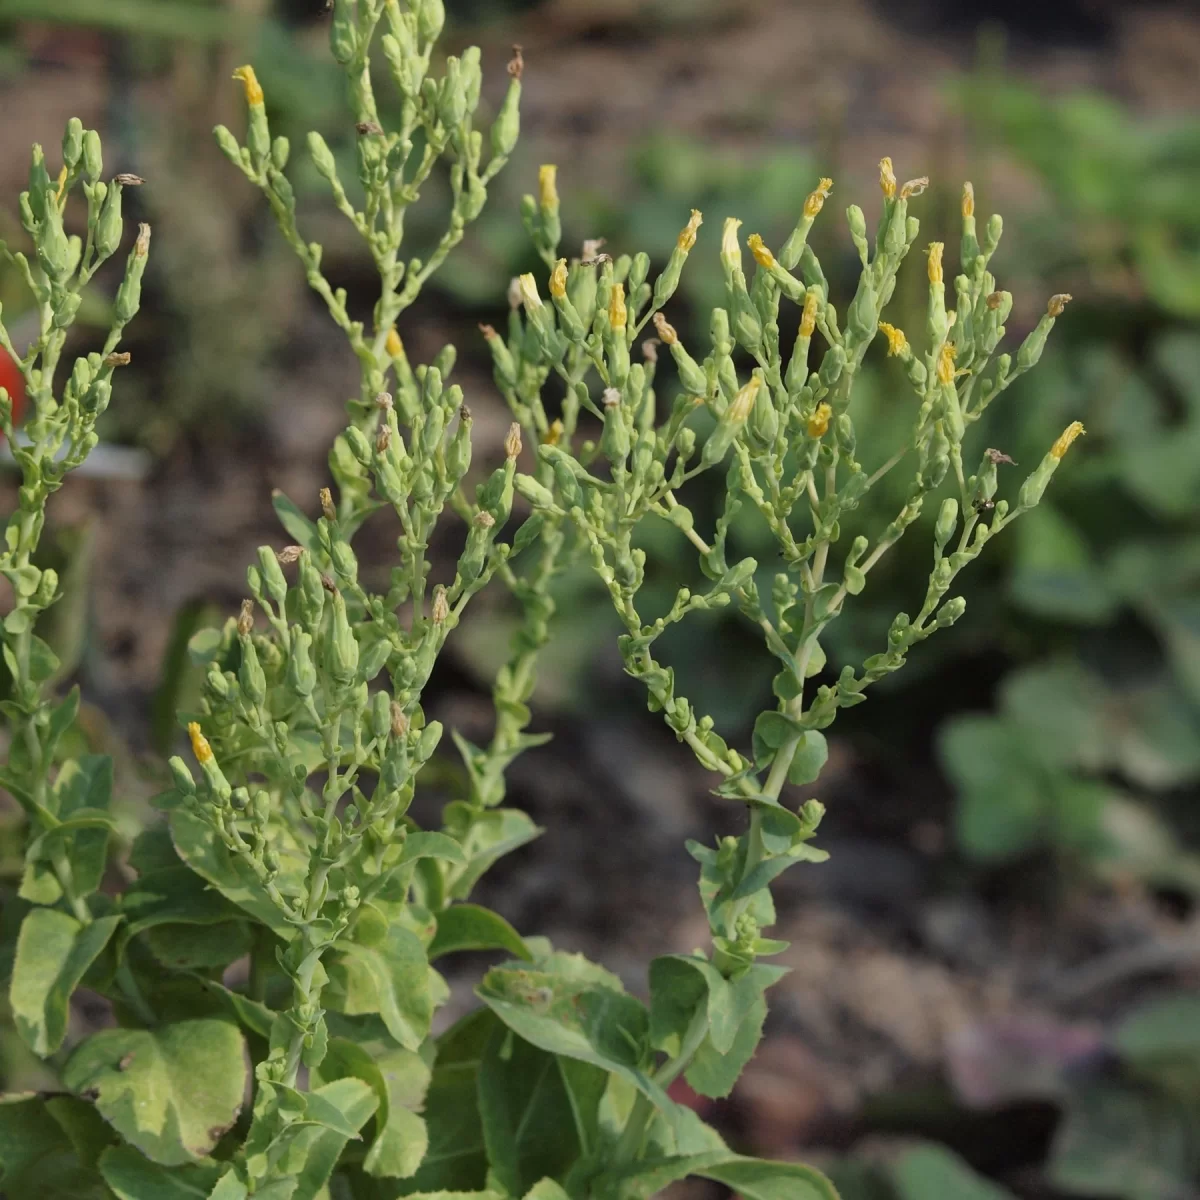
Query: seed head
[687, 236]
[441, 606]
[612, 398]
[897, 342]
[1058, 303]
[665, 330]
[548, 185]
[1072, 431]
[383, 400]
[968, 200]
[484, 519]
[399, 720]
[516, 64]
[118, 359]
[914, 187]
[289, 555]
[816, 198]
[935, 261]
[558, 279]
[128, 179]
[327, 510]
[250, 84]
[818, 423]
[887, 178]
[142, 246]
[512, 442]
[245, 623]
[200, 747]
[762, 255]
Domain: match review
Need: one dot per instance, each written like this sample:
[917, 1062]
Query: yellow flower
[808, 322]
[529, 292]
[617, 316]
[200, 747]
[553, 434]
[968, 200]
[687, 236]
[897, 342]
[945, 363]
[887, 178]
[254, 92]
[1069, 434]
[743, 402]
[558, 279]
[548, 185]
[816, 199]
[818, 423]
[935, 261]
[762, 255]
[665, 330]
[393, 345]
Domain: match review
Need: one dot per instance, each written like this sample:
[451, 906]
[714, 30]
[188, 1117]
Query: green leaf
[134, 1177]
[38, 1159]
[811, 756]
[931, 1170]
[173, 897]
[471, 927]
[429, 844]
[399, 1079]
[714, 1071]
[546, 1189]
[342, 1108]
[531, 1125]
[230, 1187]
[172, 1091]
[298, 526]
[1055, 574]
[457, 1157]
[484, 838]
[391, 978]
[198, 846]
[568, 1006]
[1161, 1033]
[54, 951]
[750, 1178]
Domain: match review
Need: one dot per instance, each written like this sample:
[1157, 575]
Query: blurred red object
[13, 382]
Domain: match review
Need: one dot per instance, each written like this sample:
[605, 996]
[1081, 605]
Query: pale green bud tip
[182, 776]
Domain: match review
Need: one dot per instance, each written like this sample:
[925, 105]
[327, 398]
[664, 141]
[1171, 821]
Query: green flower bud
[301, 673]
[280, 150]
[251, 677]
[458, 454]
[427, 743]
[228, 145]
[536, 493]
[343, 36]
[109, 225]
[947, 522]
[341, 648]
[950, 612]
[72, 143]
[184, 783]
[614, 441]
[129, 293]
[93, 159]
[507, 126]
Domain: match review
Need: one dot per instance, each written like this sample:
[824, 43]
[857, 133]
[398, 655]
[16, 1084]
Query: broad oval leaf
[171, 1092]
[472, 927]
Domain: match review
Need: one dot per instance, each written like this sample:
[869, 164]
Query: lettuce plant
[271, 968]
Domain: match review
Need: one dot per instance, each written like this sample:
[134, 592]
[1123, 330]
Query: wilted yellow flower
[665, 330]
[762, 255]
[617, 316]
[548, 185]
[554, 433]
[1058, 304]
[200, 747]
[743, 402]
[529, 292]
[558, 279]
[393, 345]
[512, 441]
[816, 198]
[968, 200]
[914, 187]
[1069, 434]
[808, 321]
[687, 236]
[818, 423]
[935, 261]
[887, 178]
[897, 342]
[253, 90]
[945, 363]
